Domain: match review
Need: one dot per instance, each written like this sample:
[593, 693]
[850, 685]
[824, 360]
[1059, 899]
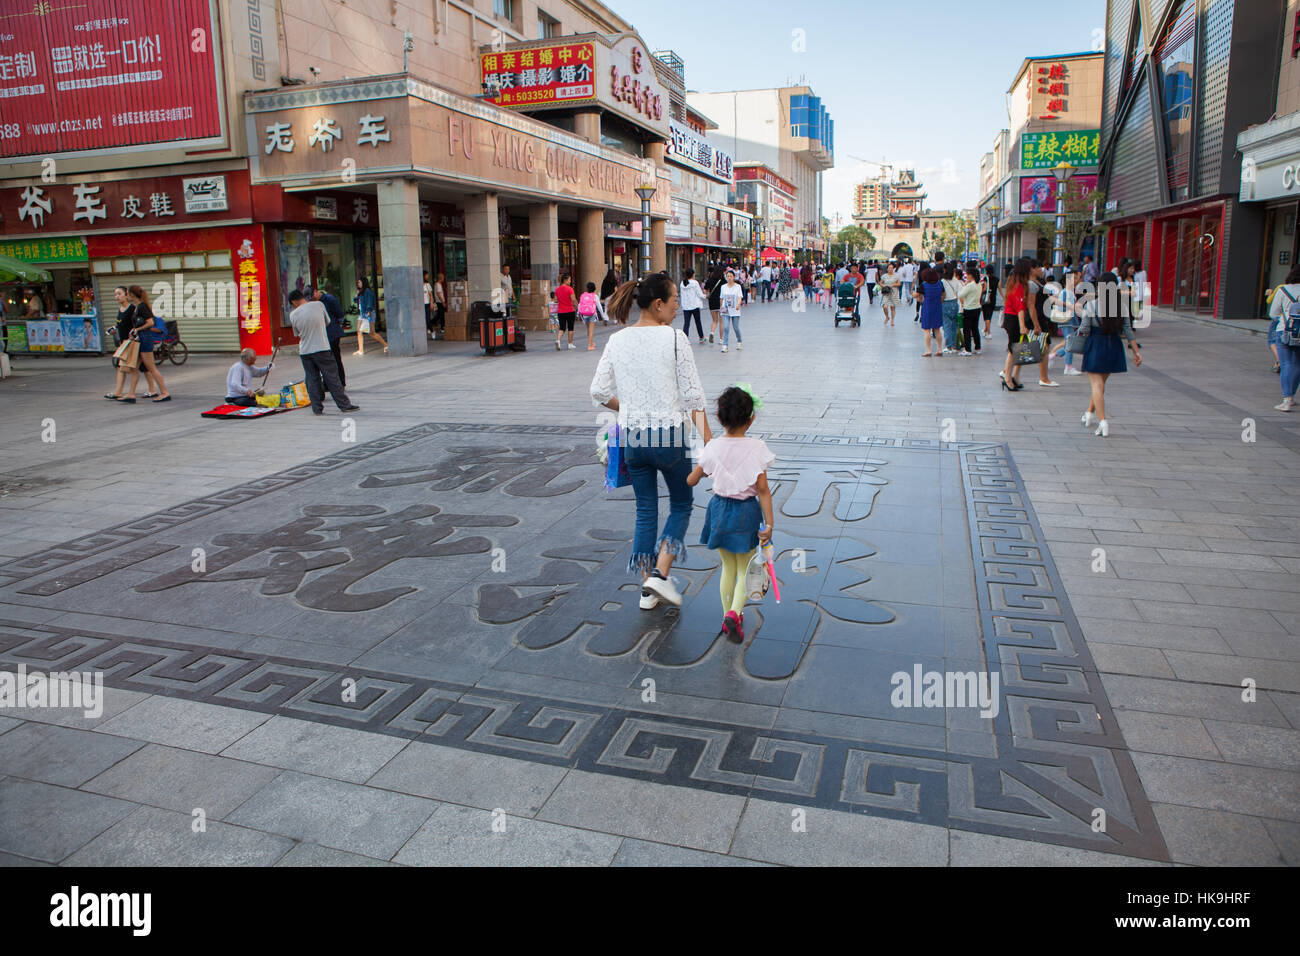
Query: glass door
[1189, 235]
[1207, 285]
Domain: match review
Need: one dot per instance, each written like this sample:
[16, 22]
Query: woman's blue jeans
[950, 319]
[735, 324]
[1288, 357]
[649, 452]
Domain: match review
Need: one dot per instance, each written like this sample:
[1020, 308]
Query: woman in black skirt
[989, 297]
[1103, 352]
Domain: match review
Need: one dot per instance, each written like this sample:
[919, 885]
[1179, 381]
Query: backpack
[587, 303]
[1288, 324]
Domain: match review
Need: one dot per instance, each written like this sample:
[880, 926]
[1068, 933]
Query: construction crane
[871, 162]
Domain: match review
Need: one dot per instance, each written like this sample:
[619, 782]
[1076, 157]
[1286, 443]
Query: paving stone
[335, 814]
[1214, 785]
[154, 837]
[1167, 734]
[61, 755]
[309, 854]
[1222, 669]
[45, 822]
[986, 849]
[463, 836]
[9, 723]
[644, 853]
[1125, 659]
[190, 725]
[648, 811]
[320, 749]
[1254, 745]
[182, 780]
[486, 781]
[834, 838]
[114, 701]
[1191, 700]
[9, 859]
[1201, 837]
[1143, 634]
[1286, 837]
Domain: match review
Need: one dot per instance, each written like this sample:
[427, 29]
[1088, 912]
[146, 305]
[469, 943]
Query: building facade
[1053, 114]
[789, 131]
[291, 151]
[895, 214]
[1270, 168]
[1183, 79]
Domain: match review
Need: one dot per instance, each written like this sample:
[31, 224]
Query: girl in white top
[741, 502]
[730, 299]
[647, 374]
[693, 301]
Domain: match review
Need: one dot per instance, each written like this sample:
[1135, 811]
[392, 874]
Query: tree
[859, 240]
[954, 236]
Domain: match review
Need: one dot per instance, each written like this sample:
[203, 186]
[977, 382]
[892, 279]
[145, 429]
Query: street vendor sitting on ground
[239, 380]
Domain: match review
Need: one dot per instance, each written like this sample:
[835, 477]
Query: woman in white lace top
[647, 374]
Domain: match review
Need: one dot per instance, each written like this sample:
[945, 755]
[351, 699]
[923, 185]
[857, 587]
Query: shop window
[1177, 58]
[198, 261]
[621, 136]
[218, 260]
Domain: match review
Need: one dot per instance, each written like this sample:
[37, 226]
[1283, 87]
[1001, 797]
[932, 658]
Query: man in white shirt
[428, 305]
[908, 275]
[872, 272]
[507, 289]
[308, 319]
[1140, 320]
[765, 277]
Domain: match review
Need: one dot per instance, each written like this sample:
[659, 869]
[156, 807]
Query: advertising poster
[80, 333]
[1038, 193]
[1045, 150]
[16, 337]
[44, 336]
[103, 74]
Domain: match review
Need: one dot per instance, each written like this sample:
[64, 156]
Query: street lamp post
[1062, 171]
[995, 210]
[645, 193]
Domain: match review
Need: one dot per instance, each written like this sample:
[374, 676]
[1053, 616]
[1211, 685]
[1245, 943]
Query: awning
[770, 253]
[15, 270]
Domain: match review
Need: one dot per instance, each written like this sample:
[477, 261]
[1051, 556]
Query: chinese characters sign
[1045, 150]
[688, 148]
[1053, 85]
[107, 73]
[248, 260]
[563, 73]
[45, 250]
[121, 203]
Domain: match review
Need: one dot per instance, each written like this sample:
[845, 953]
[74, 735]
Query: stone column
[587, 126]
[591, 248]
[482, 257]
[399, 244]
[544, 252]
[658, 245]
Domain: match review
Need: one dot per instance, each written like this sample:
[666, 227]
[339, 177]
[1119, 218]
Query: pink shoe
[731, 627]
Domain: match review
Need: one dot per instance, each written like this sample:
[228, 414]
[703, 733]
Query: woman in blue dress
[1104, 321]
[929, 294]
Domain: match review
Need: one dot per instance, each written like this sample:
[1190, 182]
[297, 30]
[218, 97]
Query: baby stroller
[847, 307]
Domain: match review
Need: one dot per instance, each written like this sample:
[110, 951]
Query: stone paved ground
[1198, 526]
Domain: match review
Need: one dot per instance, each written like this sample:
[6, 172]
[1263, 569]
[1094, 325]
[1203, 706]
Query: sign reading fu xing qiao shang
[583, 69]
[441, 137]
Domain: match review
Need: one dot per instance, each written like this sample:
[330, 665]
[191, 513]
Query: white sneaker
[664, 589]
[1071, 370]
[1286, 405]
[1103, 428]
[649, 600]
[1088, 419]
[572, 346]
[739, 346]
[557, 345]
[724, 348]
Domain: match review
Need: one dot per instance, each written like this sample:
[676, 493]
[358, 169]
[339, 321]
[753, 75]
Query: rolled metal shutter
[207, 310]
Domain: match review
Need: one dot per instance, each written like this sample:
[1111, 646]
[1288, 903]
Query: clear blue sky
[929, 89]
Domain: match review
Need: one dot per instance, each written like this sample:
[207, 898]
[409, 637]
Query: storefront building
[772, 200]
[1183, 79]
[1054, 113]
[1270, 170]
[704, 228]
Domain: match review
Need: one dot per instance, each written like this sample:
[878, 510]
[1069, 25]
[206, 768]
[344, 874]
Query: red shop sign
[124, 203]
[100, 74]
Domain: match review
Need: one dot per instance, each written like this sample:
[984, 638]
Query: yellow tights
[731, 583]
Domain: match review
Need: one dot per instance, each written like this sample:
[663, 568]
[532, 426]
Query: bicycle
[171, 347]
